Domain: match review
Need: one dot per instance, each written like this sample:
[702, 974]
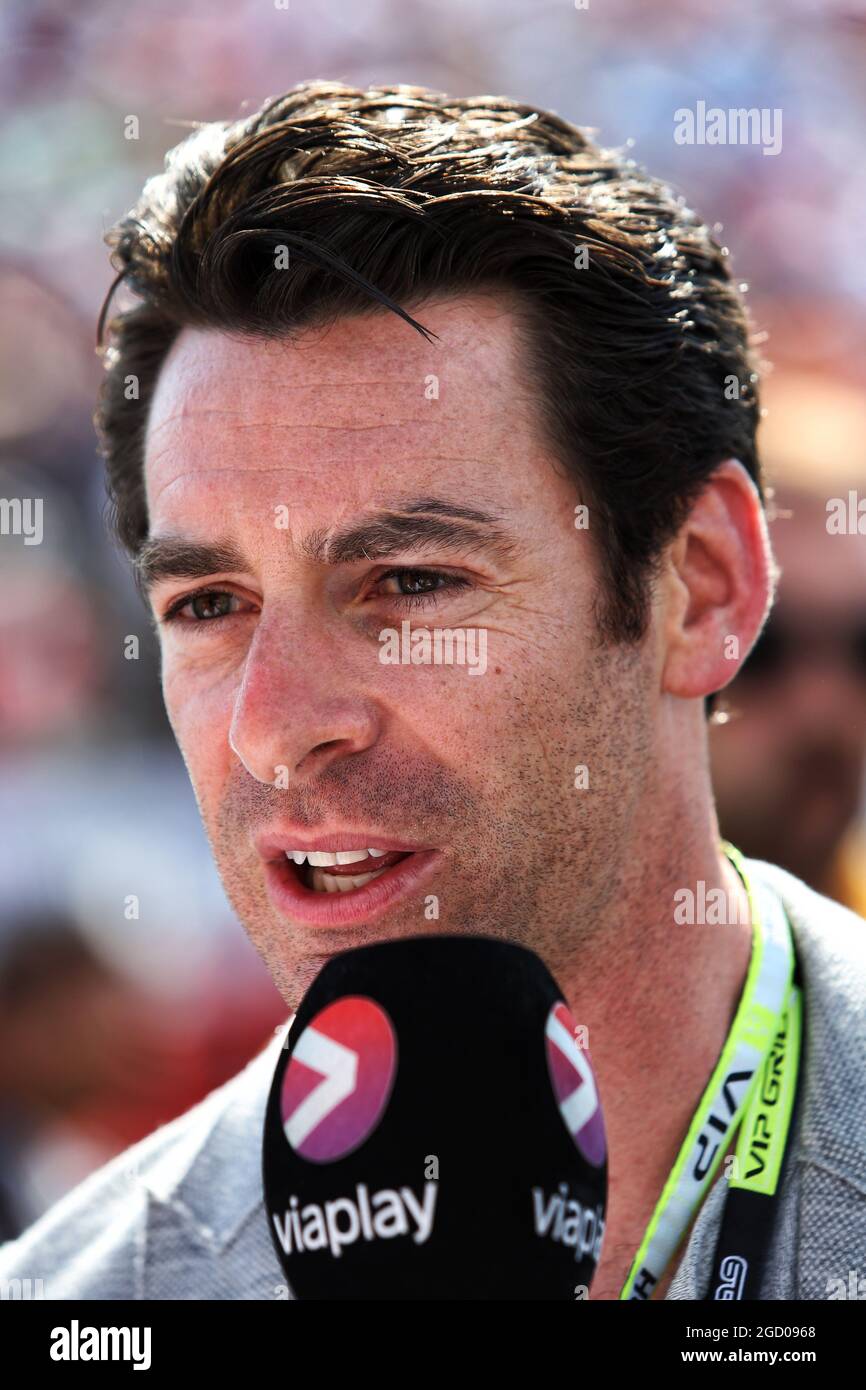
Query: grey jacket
[180, 1215]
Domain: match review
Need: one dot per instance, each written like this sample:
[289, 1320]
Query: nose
[300, 705]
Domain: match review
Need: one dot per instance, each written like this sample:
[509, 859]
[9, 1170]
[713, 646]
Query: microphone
[433, 1130]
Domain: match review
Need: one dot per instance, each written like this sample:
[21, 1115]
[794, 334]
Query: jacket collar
[830, 943]
[210, 1174]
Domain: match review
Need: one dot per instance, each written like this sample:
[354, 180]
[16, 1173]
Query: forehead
[330, 405]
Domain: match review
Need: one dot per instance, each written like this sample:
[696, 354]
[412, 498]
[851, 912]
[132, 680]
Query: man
[789, 755]
[401, 357]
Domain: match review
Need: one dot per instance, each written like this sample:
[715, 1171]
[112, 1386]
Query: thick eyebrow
[174, 557]
[405, 527]
[421, 523]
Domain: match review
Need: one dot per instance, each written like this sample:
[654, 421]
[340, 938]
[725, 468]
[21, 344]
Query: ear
[716, 585]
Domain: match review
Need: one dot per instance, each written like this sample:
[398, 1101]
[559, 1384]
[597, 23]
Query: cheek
[199, 712]
[452, 718]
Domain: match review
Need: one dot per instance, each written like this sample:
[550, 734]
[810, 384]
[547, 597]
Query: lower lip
[301, 904]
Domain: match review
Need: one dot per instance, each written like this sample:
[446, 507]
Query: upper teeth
[319, 859]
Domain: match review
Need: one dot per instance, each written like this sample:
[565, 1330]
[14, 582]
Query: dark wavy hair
[638, 346]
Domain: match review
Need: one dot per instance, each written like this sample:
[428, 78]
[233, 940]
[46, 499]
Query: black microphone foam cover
[433, 1130]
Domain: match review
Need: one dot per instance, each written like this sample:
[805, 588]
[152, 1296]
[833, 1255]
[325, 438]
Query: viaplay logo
[574, 1085]
[338, 1079]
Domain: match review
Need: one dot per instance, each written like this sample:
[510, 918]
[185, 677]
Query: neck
[658, 1006]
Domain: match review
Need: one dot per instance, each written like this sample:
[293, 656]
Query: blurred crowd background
[112, 1022]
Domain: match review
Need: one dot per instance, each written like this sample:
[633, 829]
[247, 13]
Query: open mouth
[333, 888]
[341, 871]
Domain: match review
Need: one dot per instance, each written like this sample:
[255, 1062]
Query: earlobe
[718, 585]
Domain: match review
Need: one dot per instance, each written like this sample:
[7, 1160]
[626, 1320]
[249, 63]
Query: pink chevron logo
[573, 1082]
[339, 1079]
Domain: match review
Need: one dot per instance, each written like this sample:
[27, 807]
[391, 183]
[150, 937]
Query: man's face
[788, 765]
[295, 732]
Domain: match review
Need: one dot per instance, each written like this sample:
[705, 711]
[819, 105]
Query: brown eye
[419, 587]
[206, 607]
[417, 581]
